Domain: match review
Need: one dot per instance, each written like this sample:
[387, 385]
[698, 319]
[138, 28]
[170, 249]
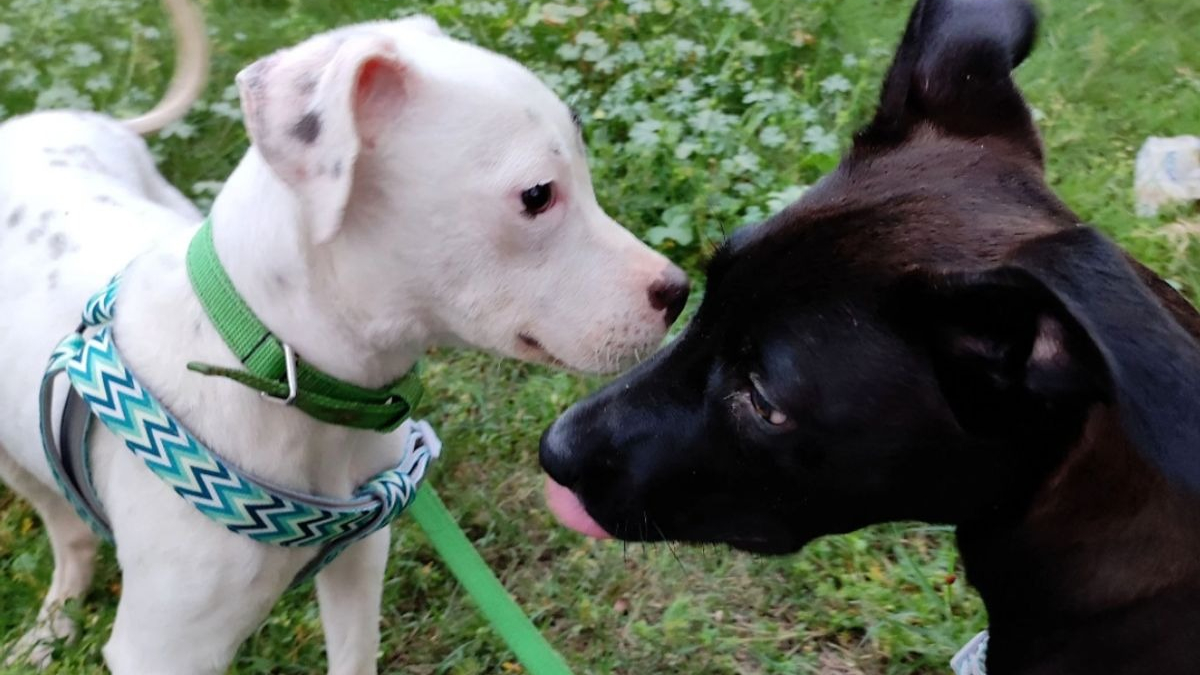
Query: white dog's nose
[669, 293]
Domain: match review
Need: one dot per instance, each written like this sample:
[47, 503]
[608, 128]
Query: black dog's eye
[538, 198]
[765, 409]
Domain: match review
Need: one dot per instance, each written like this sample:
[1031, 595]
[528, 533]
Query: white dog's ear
[312, 108]
[424, 23]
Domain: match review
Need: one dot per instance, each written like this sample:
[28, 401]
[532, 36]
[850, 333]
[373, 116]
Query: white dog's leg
[350, 590]
[185, 611]
[74, 546]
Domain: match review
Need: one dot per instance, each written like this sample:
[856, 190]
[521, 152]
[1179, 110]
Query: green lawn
[701, 115]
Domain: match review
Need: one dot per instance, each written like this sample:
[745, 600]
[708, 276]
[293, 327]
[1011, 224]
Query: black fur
[308, 128]
[948, 344]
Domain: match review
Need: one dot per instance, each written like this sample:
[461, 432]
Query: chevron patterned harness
[242, 503]
[103, 388]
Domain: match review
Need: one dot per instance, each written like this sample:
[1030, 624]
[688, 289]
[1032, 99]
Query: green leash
[275, 371]
[498, 607]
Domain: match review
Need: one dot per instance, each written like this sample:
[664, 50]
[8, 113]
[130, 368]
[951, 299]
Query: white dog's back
[78, 194]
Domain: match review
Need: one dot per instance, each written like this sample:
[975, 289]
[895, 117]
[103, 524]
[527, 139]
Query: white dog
[403, 189]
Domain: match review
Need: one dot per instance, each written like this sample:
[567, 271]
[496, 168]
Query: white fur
[418, 240]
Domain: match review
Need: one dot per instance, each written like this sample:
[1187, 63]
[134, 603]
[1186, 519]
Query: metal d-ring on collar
[289, 362]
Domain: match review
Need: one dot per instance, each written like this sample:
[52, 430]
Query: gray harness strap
[76, 423]
[69, 457]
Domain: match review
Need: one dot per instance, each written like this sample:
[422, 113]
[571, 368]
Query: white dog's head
[446, 184]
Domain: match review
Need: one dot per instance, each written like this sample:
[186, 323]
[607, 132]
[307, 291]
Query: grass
[701, 115]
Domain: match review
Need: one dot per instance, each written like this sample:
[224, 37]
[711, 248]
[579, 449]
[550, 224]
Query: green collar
[271, 366]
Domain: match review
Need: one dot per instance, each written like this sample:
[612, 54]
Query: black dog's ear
[1066, 323]
[953, 69]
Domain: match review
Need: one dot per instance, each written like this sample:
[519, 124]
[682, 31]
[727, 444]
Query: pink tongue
[570, 512]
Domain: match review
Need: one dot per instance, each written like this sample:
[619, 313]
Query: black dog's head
[922, 336]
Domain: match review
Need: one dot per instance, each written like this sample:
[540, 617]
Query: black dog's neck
[1099, 571]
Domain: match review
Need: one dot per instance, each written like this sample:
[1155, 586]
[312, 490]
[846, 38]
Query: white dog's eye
[763, 406]
[538, 198]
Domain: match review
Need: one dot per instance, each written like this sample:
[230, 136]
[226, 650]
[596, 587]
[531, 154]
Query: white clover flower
[772, 137]
[630, 52]
[99, 82]
[556, 14]
[820, 140]
[757, 96]
[488, 9]
[686, 149]
[82, 55]
[207, 187]
[24, 77]
[516, 37]
[595, 53]
[835, 84]
[746, 161]
[752, 215]
[711, 121]
[62, 95]
[179, 129]
[685, 48]
[568, 51]
[644, 134]
[227, 110]
[737, 6]
[779, 199]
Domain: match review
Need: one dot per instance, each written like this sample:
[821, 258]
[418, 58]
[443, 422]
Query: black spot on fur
[52, 280]
[38, 232]
[15, 217]
[337, 169]
[306, 84]
[58, 245]
[105, 199]
[307, 128]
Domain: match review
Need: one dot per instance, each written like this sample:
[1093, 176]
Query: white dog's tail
[191, 69]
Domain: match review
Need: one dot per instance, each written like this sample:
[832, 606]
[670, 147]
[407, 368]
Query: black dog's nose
[670, 293]
[554, 453]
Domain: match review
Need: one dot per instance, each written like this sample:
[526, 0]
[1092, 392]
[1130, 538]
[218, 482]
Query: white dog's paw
[36, 648]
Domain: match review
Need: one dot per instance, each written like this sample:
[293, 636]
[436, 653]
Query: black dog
[930, 334]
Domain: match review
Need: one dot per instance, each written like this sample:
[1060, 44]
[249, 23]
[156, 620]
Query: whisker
[670, 547]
